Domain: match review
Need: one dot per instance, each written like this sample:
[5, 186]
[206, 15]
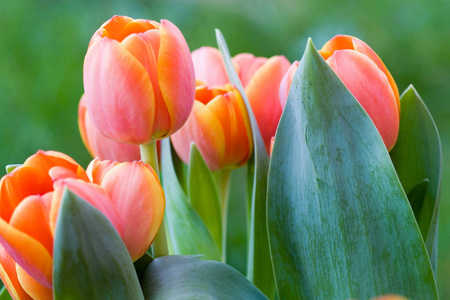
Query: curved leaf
[187, 277]
[340, 225]
[417, 156]
[4, 294]
[259, 269]
[90, 260]
[186, 232]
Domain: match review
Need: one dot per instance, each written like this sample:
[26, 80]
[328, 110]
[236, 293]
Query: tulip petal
[17, 185]
[338, 42]
[370, 86]
[32, 287]
[137, 195]
[209, 66]
[263, 94]
[176, 75]
[285, 83]
[97, 169]
[119, 93]
[363, 48]
[28, 253]
[248, 65]
[32, 216]
[99, 145]
[92, 193]
[205, 129]
[8, 275]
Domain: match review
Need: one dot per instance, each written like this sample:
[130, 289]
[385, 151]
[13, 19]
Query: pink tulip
[128, 194]
[99, 145]
[139, 80]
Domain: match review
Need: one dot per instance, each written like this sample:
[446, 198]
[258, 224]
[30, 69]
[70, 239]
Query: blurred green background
[43, 43]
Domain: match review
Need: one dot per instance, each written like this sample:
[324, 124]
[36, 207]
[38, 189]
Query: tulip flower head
[99, 145]
[366, 77]
[260, 77]
[139, 80]
[219, 126]
[30, 197]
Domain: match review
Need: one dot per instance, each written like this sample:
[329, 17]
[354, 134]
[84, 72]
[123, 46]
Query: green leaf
[90, 260]
[4, 294]
[10, 168]
[186, 232]
[417, 156]
[141, 264]
[187, 277]
[340, 225]
[203, 194]
[259, 269]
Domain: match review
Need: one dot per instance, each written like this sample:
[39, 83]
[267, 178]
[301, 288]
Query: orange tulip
[99, 145]
[260, 77]
[30, 197]
[220, 128]
[138, 79]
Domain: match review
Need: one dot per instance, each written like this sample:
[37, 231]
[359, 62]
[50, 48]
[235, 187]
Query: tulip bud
[128, 194]
[366, 77]
[138, 79]
[219, 126]
[99, 145]
[260, 77]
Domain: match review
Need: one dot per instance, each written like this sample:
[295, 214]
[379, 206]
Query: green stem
[149, 155]
[222, 179]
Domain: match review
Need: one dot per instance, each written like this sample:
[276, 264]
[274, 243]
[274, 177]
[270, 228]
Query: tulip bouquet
[336, 175]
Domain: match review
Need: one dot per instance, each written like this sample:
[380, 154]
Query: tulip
[220, 128]
[128, 194]
[138, 79]
[260, 77]
[366, 77]
[99, 145]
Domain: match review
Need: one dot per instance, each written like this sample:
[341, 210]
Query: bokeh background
[43, 43]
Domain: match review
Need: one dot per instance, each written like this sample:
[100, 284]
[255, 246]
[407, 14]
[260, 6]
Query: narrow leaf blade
[340, 225]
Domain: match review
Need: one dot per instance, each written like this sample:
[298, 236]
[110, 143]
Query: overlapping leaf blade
[90, 260]
[187, 233]
[417, 157]
[340, 225]
[188, 277]
[259, 269]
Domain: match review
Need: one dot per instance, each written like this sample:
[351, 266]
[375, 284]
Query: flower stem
[222, 179]
[149, 155]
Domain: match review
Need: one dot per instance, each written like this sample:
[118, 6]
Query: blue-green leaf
[90, 260]
[417, 156]
[187, 277]
[340, 225]
[186, 232]
[203, 195]
[259, 269]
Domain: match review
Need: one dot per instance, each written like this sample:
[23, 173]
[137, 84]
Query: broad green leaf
[4, 295]
[188, 277]
[203, 195]
[181, 169]
[259, 269]
[340, 225]
[90, 260]
[187, 234]
[417, 156]
[141, 264]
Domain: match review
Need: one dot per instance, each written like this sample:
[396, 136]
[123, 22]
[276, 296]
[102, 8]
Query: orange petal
[209, 66]
[28, 253]
[32, 287]
[176, 75]
[92, 193]
[136, 193]
[100, 146]
[32, 216]
[338, 42]
[263, 94]
[371, 88]
[248, 65]
[203, 128]
[97, 169]
[119, 93]
[114, 26]
[20, 183]
[8, 275]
